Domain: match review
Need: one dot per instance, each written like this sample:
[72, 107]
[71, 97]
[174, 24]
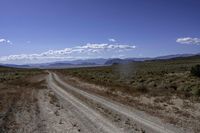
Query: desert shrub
[196, 91]
[195, 70]
[142, 88]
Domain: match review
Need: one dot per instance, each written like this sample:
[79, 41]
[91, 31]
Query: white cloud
[188, 40]
[106, 46]
[111, 40]
[89, 50]
[5, 41]
[2, 40]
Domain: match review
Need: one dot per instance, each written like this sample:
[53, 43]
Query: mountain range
[94, 62]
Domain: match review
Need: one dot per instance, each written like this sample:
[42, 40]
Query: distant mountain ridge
[175, 56]
[94, 62]
[127, 60]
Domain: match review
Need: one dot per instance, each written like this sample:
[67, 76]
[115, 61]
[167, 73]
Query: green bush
[195, 70]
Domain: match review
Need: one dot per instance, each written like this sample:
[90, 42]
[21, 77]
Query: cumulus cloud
[90, 50]
[111, 40]
[188, 40]
[4, 41]
[106, 46]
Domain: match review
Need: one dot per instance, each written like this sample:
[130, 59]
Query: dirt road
[100, 115]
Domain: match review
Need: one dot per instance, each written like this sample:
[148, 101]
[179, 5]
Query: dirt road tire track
[93, 121]
[149, 126]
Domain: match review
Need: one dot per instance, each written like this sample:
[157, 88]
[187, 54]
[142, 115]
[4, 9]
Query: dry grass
[164, 89]
[156, 78]
[17, 95]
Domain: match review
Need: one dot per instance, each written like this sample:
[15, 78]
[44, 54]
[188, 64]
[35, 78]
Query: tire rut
[138, 123]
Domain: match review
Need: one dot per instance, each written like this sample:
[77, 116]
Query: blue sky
[34, 31]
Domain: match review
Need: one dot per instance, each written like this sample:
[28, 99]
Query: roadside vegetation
[12, 75]
[18, 95]
[195, 70]
[168, 89]
[160, 77]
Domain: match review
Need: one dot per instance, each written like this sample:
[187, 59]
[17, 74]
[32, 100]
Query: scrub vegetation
[18, 98]
[168, 89]
[14, 74]
[158, 77]
[196, 70]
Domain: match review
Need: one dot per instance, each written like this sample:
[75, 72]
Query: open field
[19, 111]
[159, 77]
[100, 66]
[152, 96]
[163, 88]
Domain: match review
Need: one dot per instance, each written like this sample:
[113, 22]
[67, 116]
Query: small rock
[61, 121]
[56, 113]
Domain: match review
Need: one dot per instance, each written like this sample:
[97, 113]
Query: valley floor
[66, 105]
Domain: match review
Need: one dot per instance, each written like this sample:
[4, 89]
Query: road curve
[104, 125]
[100, 124]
